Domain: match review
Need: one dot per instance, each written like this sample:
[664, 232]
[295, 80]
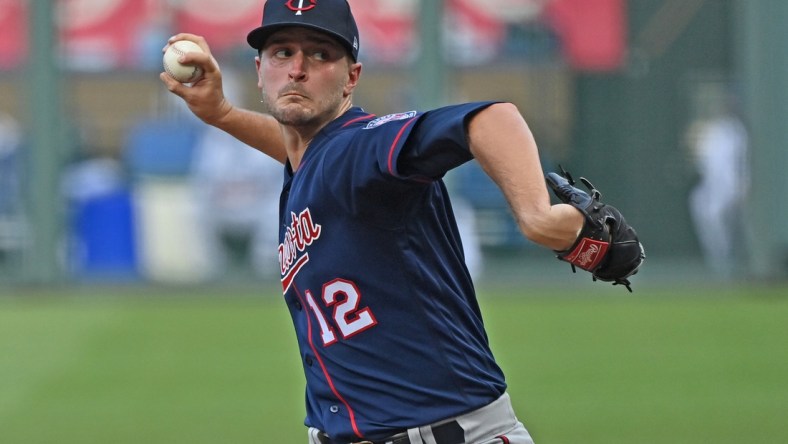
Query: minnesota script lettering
[301, 233]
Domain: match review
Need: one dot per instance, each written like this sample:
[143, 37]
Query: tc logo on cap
[301, 8]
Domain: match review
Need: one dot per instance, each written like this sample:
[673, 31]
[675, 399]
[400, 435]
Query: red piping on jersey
[503, 438]
[394, 145]
[349, 122]
[323, 366]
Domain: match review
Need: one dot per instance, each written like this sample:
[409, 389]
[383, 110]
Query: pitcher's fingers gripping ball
[177, 70]
[607, 246]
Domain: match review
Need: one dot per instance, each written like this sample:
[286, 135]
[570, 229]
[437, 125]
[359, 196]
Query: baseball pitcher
[389, 330]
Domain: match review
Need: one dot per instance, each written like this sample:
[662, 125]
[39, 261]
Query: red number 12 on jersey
[345, 298]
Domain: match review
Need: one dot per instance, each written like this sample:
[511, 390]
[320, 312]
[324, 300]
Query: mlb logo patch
[390, 118]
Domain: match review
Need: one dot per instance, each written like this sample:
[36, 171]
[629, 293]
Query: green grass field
[165, 366]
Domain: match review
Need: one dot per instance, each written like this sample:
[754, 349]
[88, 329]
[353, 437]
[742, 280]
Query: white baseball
[176, 70]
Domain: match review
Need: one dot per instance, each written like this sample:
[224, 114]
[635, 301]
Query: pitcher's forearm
[557, 228]
[260, 131]
[502, 143]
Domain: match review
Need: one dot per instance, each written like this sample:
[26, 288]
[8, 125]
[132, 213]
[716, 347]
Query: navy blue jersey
[385, 313]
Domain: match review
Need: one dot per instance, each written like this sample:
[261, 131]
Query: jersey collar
[352, 117]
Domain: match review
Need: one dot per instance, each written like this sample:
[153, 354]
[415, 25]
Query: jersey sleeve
[414, 146]
[438, 142]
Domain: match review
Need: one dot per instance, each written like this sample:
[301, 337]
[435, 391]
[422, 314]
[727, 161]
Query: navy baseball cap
[330, 16]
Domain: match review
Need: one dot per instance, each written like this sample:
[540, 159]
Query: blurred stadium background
[104, 175]
[137, 295]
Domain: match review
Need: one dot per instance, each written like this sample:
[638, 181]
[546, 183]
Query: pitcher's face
[305, 76]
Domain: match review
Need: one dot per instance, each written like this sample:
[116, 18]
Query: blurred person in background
[12, 215]
[720, 146]
[10, 165]
[237, 192]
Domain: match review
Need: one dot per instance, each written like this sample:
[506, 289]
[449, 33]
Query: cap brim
[256, 38]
